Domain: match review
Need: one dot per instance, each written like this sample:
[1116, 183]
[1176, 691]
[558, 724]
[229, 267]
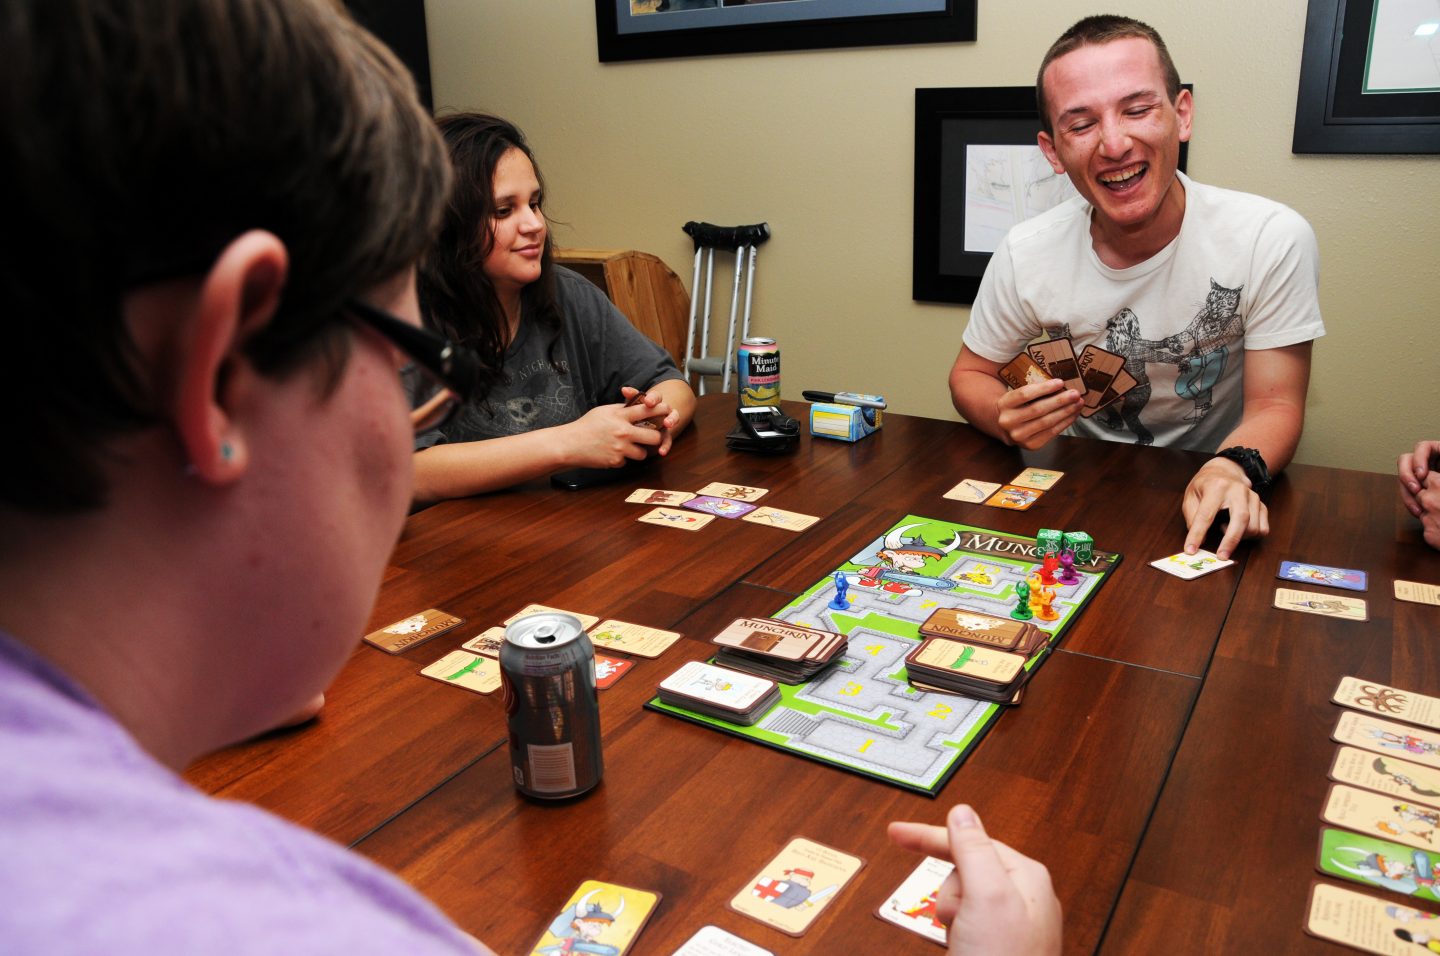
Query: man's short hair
[137, 139]
[1097, 30]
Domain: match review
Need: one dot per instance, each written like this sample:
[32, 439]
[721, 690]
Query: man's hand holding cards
[1046, 394]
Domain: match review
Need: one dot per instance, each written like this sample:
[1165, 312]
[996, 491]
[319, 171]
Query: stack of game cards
[784, 652]
[719, 692]
[1097, 374]
[978, 655]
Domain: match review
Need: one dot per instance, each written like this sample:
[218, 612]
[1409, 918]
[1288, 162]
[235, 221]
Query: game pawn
[839, 601]
[1047, 568]
[1022, 603]
[1067, 568]
[1044, 600]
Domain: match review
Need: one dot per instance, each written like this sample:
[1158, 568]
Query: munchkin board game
[862, 714]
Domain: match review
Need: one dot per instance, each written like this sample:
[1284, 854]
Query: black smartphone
[577, 478]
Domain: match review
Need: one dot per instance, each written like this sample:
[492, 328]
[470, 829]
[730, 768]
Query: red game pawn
[1047, 568]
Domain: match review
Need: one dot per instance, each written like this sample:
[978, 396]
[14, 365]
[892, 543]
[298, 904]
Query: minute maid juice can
[757, 363]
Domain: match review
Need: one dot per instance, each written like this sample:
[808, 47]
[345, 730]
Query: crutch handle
[726, 237]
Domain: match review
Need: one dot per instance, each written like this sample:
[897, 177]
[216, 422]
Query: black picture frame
[1332, 114]
[759, 27]
[947, 120]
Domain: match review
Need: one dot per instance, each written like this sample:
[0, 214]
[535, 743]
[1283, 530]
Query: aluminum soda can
[547, 667]
[757, 363]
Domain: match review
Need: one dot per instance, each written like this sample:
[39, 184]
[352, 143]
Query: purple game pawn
[1067, 567]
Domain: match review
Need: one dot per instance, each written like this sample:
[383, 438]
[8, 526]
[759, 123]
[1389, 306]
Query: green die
[1048, 542]
[1082, 545]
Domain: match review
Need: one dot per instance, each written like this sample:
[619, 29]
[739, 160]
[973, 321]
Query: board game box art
[863, 714]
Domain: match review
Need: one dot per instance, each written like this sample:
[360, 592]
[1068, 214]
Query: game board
[862, 714]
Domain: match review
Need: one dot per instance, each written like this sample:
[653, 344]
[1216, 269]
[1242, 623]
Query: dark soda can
[757, 362]
[547, 666]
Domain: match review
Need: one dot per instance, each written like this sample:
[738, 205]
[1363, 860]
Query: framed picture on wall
[978, 171]
[652, 29]
[1369, 78]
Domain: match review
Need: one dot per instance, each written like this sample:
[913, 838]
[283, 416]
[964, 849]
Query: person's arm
[603, 437]
[1276, 381]
[677, 394]
[997, 901]
[1028, 416]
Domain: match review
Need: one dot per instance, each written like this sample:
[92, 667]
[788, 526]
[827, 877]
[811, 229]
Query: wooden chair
[642, 287]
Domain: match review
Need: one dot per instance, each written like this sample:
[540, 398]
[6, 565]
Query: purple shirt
[104, 850]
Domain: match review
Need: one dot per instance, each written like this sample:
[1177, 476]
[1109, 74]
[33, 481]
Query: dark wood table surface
[1167, 763]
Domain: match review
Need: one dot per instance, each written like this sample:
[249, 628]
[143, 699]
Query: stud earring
[227, 451]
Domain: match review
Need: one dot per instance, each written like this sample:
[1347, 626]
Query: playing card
[775, 518]
[1382, 864]
[1098, 369]
[1191, 566]
[717, 687]
[724, 489]
[1022, 370]
[586, 620]
[463, 669]
[1041, 478]
[1328, 605]
[634, 639]
[1378, 815]
[1391, 775]
[973, 627]
[777, 639]
[1379, 699]
[991, 666]
[912, 905]
[1057, 358]
[1387, 737]
[1417, 592]
[598, 918]
[796, 886]
[1330, 577]
[1014, 498]
[487, 642]
[413, 631]
[1119, 385]
[714, 941]
[610, 669]
[652, 496]
[670, 518]
[720, 507]
[1368, 923]
[973, 491]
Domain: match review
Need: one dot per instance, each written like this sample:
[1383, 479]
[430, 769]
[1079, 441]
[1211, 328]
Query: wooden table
[416, 774]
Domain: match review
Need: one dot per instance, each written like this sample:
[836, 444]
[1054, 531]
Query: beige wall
[819, 143]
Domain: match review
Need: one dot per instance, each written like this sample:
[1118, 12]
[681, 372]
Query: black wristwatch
[1249, 459]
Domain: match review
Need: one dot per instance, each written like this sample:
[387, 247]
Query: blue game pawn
[1022, 610]
[842, 584]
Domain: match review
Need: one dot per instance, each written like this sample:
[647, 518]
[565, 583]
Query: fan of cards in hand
[1097, 374]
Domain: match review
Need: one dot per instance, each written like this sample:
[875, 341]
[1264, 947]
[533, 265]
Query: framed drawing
[1369, 78]
[978, 171]
[652, 29]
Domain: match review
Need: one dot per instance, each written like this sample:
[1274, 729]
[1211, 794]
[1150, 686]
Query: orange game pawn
[1042, 602]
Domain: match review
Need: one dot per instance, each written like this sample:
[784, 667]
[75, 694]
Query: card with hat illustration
[797, 886]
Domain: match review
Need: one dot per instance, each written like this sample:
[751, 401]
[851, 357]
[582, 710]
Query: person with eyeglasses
[562, 379]
[210, 296]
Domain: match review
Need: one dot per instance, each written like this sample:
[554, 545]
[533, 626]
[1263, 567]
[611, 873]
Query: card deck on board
[610, 669]
[1042, 478]
[1191, 566]
[615, 915]
[777, 639]
[796, 886]
[1014, 498]
[587, 621]
[670, 518]
[1387, 737]
[1376, 814]
[1417, 592]
[720, 507]
[655, 496]
[1381, 699]
[1098, 369]
[972, 491]
[1347, 578]
[413, 630]
[913, 904]
[1365, 922]
[1022, 370]
[1326, 605]
[939, 658]
[636, 640]
[1057, 358]
[725, 489]
[1399, 778]
[974, 627]
[775, 518]
[720, 692]
[463, 669]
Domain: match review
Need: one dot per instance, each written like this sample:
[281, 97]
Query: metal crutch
[745, 241]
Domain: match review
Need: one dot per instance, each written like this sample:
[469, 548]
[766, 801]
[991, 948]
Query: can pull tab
[545, 634]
